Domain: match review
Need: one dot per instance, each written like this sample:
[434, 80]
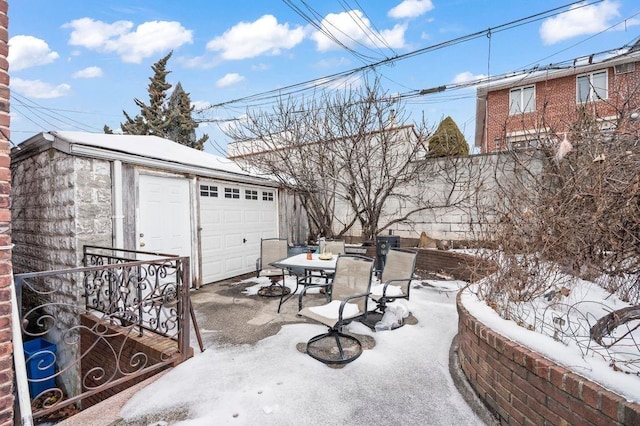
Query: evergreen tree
[181, 127]
[448, 140]
[170, 119]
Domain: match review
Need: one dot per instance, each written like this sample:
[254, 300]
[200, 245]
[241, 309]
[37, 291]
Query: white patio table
[305, 270]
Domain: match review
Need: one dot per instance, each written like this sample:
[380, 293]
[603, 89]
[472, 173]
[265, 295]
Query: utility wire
[311, 84]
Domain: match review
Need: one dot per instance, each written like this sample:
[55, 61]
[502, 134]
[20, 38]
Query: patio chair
[335, 247]
[332, 246]
[271, 250]
[349, 296]
[395, 283]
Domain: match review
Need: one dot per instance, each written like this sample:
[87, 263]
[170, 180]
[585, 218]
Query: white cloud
[251, 39]
[89, 72]
[27, 51]
[353, 27]
[579, 21]
[410, 9]
[260, 67]
[37, 89]
[200, 105]
[148, 39]
[343, 83]
[229, 79]
[466, 76]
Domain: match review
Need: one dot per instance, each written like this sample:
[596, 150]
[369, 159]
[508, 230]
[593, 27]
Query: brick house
[6, 346]
[519, 112]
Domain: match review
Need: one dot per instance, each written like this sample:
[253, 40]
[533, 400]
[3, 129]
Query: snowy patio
[254, 371]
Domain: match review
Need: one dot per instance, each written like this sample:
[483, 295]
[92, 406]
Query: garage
[140, 193]
[234, 218]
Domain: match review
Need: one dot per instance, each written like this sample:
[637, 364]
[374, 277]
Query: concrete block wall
[6, 345]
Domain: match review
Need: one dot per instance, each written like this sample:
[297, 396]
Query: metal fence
[89, 329]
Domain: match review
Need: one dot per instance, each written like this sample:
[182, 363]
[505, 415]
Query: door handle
[244, 240]
[142, 244]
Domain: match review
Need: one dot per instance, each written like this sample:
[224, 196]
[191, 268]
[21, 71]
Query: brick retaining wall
[522, 387]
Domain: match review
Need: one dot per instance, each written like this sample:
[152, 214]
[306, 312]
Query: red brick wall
[522, 387]
[556, 105]
[6, 346]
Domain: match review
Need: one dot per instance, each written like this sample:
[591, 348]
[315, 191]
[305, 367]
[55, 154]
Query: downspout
[22, 384]
[116, 200]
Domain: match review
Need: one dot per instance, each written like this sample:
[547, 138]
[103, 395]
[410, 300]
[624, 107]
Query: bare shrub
[573, 203]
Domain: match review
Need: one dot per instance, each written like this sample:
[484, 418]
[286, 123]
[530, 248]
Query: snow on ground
[404, 379]
[586, 300]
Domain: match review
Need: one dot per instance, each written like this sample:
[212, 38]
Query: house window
[522, 99]
[250, 194]
[592, 87]
[208, 191]
[267, 196]
[231, 193]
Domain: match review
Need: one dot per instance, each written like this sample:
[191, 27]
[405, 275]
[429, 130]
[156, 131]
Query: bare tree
[349, 157]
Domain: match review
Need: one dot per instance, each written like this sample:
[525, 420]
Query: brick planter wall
[522, 387]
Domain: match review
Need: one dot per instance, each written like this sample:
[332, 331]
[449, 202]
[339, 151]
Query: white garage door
[234, 218]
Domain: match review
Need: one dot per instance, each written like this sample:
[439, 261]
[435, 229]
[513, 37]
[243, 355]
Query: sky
[78, 64]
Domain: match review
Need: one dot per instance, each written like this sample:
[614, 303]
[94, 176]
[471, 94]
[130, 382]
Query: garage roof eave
[105, 154]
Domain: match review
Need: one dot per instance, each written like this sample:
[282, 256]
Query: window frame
[232, 193]
[592, 95]
[530, 106]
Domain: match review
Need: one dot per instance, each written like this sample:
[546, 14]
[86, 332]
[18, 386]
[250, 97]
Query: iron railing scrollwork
[82, 326]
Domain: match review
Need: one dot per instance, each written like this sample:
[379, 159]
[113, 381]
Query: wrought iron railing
[125, 314]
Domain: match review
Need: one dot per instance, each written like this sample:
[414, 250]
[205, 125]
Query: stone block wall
[522, 387]
[60, 203]
[6, 345]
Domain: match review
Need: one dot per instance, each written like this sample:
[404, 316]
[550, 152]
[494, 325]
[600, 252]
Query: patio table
[303, 269]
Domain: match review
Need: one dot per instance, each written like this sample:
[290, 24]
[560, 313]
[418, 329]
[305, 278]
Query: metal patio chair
[271, 250]
[348, 302]
[395, 279]
[332, 246]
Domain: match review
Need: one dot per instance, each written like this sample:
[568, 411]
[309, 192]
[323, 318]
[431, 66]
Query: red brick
[610, 404]
[590, 394]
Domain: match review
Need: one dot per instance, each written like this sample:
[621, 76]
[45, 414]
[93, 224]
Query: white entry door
[164, 221]
[234, 218]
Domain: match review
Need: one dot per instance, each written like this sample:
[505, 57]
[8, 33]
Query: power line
[314, 83]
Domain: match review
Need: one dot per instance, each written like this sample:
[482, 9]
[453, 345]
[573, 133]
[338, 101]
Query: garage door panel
[232, 229]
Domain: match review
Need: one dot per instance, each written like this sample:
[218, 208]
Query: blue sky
[77, 64]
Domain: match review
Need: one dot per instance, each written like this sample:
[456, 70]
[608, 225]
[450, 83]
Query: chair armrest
[344, 303]
[304, 290]
[389, 282]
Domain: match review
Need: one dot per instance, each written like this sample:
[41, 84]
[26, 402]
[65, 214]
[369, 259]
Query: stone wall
[520, 386]
[6, 345]
[60, 203]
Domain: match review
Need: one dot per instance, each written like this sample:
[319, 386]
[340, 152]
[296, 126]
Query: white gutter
[22, 384]
[116, 200]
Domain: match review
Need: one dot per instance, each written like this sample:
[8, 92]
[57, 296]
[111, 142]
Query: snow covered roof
[151, 151]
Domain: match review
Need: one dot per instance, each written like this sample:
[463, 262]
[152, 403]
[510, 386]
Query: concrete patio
[392, 382]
